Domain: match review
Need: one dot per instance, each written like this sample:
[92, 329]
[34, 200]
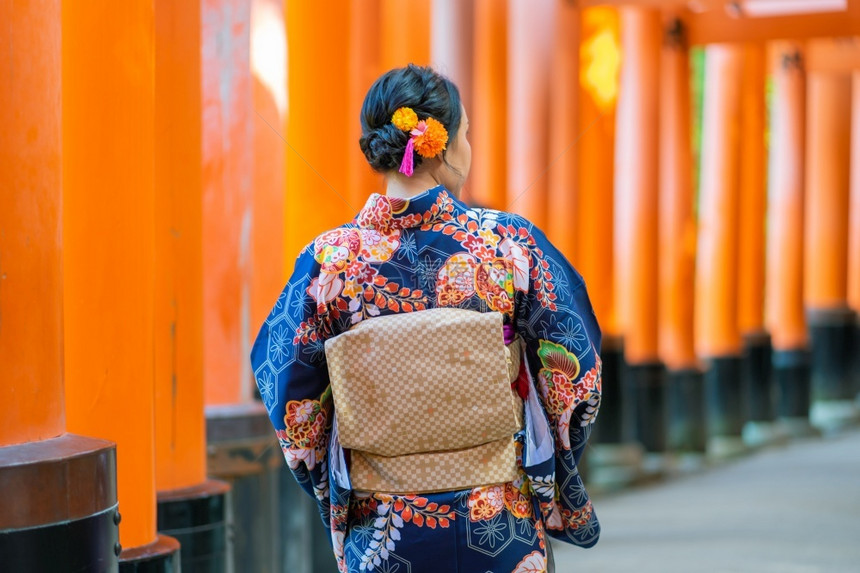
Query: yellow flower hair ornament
[428, 137]
[405, 119]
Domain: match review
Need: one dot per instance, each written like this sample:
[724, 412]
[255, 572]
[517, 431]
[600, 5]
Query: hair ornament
[428, 137]
[405, 119]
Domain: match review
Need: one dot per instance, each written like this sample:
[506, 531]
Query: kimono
[407, 255]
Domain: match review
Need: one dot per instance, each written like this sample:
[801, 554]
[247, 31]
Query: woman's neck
[398, 185]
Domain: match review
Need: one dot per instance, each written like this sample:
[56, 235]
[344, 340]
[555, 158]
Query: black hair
[427, 92]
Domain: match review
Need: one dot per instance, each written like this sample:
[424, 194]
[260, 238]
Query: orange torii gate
[731, 337]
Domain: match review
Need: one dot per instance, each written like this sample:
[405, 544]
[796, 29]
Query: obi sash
[424, 401]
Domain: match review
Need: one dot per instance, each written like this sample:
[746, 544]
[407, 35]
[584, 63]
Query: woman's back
[408, 255]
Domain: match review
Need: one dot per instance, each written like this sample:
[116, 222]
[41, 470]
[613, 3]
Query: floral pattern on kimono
[433, 251]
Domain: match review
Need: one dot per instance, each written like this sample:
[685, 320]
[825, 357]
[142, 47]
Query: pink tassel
[406, 165]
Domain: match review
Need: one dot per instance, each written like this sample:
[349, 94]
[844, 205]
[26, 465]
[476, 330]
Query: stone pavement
[786, 509]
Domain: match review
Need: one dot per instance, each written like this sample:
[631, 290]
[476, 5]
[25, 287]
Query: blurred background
[162, 163]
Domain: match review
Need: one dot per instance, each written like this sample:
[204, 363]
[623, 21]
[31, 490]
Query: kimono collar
[385, 214]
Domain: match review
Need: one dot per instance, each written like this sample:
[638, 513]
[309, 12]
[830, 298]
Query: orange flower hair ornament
[427, 137]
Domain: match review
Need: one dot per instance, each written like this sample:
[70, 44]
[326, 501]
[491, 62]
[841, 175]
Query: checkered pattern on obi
[423, 381]
[486, 464]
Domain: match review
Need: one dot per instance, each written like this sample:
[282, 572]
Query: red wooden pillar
[268, 60]
[718, 340]
[180, 439]
[529, 56]
[405, 32]
[318, 41]
[564, 133]
[244, 71]
[677, 222]
[854, 226]
[678, 248]
[636, 220]
[190, 507]
[827, 190]
[636, 184]
[753, 197]
[828, 139]
[600, 55]
[488, 177]
[108, 250]
[31, 340]
[56, 486]
[616, 459]
[365, 65]
[227, 199]
[784, 313]
[759, 395]
[451, 45]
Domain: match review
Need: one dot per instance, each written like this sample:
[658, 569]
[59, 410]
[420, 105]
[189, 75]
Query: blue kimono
[432, 251]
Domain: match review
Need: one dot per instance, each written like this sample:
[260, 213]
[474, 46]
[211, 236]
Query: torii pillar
[784, 312]
[831, 320]
[685, 381]
[758, 390]
[636, 268]
[718, 341]
[854, 228]
[488, 177]
[191, 508]
[615, 459]
[529, 55]
[56, 487]
[109, 253]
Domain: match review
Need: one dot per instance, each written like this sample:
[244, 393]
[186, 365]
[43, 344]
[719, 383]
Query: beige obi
[424, 400]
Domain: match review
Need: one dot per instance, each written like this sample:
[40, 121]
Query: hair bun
[384, 146]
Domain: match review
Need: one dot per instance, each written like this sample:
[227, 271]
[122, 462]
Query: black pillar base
[196, 517]
[759, 394]
[59, 506]
[724, 397]
[855, 353]
[833, 397]
[299, 526]
[647, 383]
[791, 374]
[614, 457]
[244, 452]
[724, 406]
[612, 425]
[686, 406]
[830, 334]
[160, 556]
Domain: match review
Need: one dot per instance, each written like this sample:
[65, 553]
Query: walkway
[792, 509]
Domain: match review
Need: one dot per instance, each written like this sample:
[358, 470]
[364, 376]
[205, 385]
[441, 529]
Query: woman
[418, 248]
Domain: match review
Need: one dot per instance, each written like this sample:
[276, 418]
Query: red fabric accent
[521, 384]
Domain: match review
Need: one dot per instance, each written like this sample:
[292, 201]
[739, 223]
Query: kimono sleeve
[288, 360]
[563, 355]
